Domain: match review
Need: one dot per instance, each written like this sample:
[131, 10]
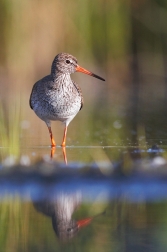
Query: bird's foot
[63, 144]
[53, 143]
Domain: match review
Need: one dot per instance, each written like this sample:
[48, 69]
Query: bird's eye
[67, 61]
[69, 229]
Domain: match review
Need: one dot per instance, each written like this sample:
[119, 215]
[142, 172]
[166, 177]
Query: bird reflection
[52, 152]
[61, 208]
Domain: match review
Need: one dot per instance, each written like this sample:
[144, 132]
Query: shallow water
[105, 198]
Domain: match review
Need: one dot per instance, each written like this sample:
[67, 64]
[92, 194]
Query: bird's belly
[61, 110]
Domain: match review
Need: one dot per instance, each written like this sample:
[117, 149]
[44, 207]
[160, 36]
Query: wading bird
[56, 97]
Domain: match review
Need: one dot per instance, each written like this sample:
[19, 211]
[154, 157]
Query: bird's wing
[80, 92]
[43, 82]
[30, 102]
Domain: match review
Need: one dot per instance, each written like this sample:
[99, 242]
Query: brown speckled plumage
[56, 96]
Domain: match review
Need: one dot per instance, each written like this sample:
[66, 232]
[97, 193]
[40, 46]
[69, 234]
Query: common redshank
[56, 96]
[61, 208]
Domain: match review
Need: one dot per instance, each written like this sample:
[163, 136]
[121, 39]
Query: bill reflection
[60, 208]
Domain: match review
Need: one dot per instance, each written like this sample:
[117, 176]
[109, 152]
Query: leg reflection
[64, 154]
[52, 152]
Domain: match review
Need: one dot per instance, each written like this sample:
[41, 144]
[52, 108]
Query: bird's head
[65, 63]
[66, 230]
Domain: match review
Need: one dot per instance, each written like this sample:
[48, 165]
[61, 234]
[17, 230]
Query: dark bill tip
[98, 77]
[83, 70]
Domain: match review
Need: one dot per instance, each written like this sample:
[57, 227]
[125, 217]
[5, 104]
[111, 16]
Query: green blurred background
[122, 41]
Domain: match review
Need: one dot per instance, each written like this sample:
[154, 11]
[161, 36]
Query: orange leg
[53, 144]
[64, 137]
[64, 155]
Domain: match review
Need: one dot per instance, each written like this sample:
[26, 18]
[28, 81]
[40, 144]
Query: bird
[56, 97]
[60, 208]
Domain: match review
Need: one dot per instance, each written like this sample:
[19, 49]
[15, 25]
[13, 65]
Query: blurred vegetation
[123, 41]
[10, 129]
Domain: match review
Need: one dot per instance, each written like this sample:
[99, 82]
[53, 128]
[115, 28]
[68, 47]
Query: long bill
[84, 222]
[83, 70]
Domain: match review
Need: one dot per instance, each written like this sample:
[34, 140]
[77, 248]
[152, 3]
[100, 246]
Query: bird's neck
[66, 204]
[62, 78]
